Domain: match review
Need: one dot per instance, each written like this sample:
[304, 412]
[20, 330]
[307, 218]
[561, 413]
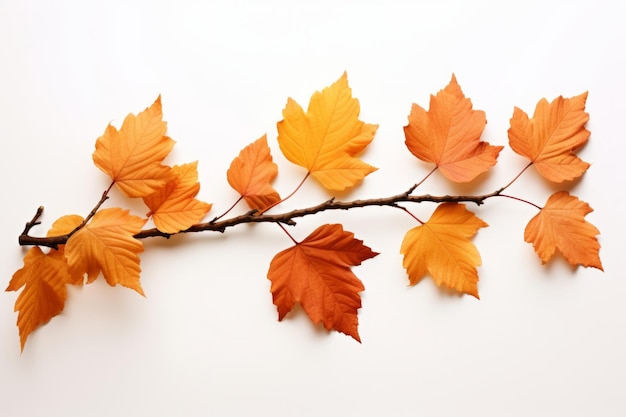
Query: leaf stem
[288, 234]
[520, 199]
[288, 197]
[227, 211]
[422, 180]
[517, 176]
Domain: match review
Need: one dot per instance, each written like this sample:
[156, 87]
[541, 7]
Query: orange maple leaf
[316, 273]
[550, 138]
[174, 207]
[251, 174]
[561, 225]
[132, 155]
[441, 246]
[325, 139]
[106, 245]
[448, 135]
[43, 276]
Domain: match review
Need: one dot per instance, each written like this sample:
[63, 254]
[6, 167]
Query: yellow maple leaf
[132, 156]
[561, 225]
[325, 139]
[441, 247]
[106, 245]
[174, 207]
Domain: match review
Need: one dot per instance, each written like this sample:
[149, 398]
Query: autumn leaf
[106, 245]
[174, 207]
[441, 247]
[325, 139]
[132, 156]
[550, 138]
[561, 225]
[316, 273]
[251, 174]
[448, 135]
[43, 277]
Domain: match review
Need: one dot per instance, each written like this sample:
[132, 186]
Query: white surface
[542, 341]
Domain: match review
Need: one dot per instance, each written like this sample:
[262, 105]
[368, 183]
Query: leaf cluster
[325, 140]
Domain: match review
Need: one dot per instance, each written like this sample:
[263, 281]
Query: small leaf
[251, 175]
[448, 135]
[132, 156]
[174, 207]
[550, 138]
[43, 277]
[316, 273]
[441, 247]
[561, 225]
[106, 245]
[325, 139]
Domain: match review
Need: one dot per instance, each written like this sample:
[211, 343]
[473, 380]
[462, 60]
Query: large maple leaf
[561, 225]
[132, 156]
[316, 273]
[442, 247]
[550, 138]
[325, 139]
[43, 276]
[448, 135]
[251, 174]
[174, 207]
[106, 245]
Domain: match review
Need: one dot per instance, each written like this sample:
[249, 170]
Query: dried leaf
[561, 225]
[325, 139]
[448, 135]
[251, 175]
[43, 277]
[316, 273]
[442, 247]
[106, 245]
[550, 138]
[132, 156]
[174, 207]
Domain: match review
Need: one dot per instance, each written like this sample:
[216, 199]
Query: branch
[285, 218]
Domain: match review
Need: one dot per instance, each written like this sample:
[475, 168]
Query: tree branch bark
[253, 217]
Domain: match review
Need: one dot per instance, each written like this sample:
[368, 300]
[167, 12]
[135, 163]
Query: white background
[542, 341]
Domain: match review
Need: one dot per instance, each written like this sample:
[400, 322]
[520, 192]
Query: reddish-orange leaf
[550, 138]
[442, 247]
[132, 156]
[106, 245]
[174, 207]
[43, 277]
[251, 175]
[448, 135]
[325, 139]
[561, 225]
[316, 273]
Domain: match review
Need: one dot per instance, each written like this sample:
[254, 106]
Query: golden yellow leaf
[325, 139]
[174, 207]
[442, 247]
[132, 156]
[561, 225]
[106, 245]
